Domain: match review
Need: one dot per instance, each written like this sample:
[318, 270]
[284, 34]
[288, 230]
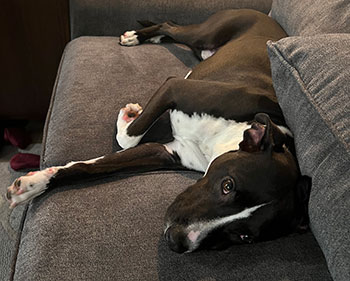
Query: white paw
[29, 186]
[129, 38]
[126, 116]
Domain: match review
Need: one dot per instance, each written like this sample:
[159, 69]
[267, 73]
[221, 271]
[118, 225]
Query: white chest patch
[199, 139]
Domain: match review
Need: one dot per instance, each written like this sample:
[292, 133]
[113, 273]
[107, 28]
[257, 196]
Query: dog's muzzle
[176, 239]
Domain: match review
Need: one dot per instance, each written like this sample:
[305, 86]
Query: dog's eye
[227, 186]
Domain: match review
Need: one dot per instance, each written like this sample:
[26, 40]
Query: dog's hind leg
[143, 158]
[216, 31]
[153, 33]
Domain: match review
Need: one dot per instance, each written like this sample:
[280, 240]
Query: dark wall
[33, 36]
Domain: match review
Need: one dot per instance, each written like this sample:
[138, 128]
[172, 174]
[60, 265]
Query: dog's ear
[302, 196]
[263, 135]
[274, 137]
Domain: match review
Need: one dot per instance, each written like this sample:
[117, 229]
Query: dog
[226, 123]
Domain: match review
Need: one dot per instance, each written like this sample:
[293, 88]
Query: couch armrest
[112, 17]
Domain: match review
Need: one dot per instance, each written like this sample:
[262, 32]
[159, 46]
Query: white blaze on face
[199, 230]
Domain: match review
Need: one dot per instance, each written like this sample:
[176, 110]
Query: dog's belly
[199, 139]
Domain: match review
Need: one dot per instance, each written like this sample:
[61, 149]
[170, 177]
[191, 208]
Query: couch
[111, 228]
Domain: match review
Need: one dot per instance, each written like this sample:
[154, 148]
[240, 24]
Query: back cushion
[114, 17]
[311, 79]
[310, 17]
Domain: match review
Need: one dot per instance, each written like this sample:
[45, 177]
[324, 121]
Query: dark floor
[10, 220]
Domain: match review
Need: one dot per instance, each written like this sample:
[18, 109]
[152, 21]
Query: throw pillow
[310, 17]
[312, 82]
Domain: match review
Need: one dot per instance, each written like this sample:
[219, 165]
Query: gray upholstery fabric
[112, 230]
[310, 17]
[311, 79]
[98, 77]
[114, 17]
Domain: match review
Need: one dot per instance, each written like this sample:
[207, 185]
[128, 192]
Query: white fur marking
[129, 38]
[199, 230]
[193, 236]
[285, 131]
[35, 183]
[201, 138]
[205, 54]
[156, 39]
[124, 140]
[188, 74]
[30, 186]
[190, 154]
[91, 161]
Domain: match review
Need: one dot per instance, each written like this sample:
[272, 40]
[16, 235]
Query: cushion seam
[49, 113]
[18, 243]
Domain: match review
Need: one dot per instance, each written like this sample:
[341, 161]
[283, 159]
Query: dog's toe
[130, 112]
[129, 38]
[126, 116]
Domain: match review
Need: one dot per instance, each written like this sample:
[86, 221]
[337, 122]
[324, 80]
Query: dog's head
[247, 195]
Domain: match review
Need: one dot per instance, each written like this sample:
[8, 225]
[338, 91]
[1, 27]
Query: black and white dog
[226, 123]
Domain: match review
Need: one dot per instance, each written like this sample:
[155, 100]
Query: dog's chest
[212, 136]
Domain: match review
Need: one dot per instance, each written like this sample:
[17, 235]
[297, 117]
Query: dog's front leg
[143, 158]
[134, 121]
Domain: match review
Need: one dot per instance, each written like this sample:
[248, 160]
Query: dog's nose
[8, 195]
[175, 239]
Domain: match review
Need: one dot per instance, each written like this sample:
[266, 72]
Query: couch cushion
[312, 17]
[112, 230]
[96, 78]
[114, 17]
[311, 79]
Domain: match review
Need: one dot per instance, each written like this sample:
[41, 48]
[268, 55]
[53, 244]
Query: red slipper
[25, 161]
[18, 137]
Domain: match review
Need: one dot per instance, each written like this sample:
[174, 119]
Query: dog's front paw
[130, 112]
[129, 38]
[29, 186]
[126, 116]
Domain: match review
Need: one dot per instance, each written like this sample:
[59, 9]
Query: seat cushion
[312, 17]
[112, 230]
[311, 79]
[96, 78]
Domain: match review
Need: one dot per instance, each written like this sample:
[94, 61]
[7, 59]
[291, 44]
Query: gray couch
[111, 229]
